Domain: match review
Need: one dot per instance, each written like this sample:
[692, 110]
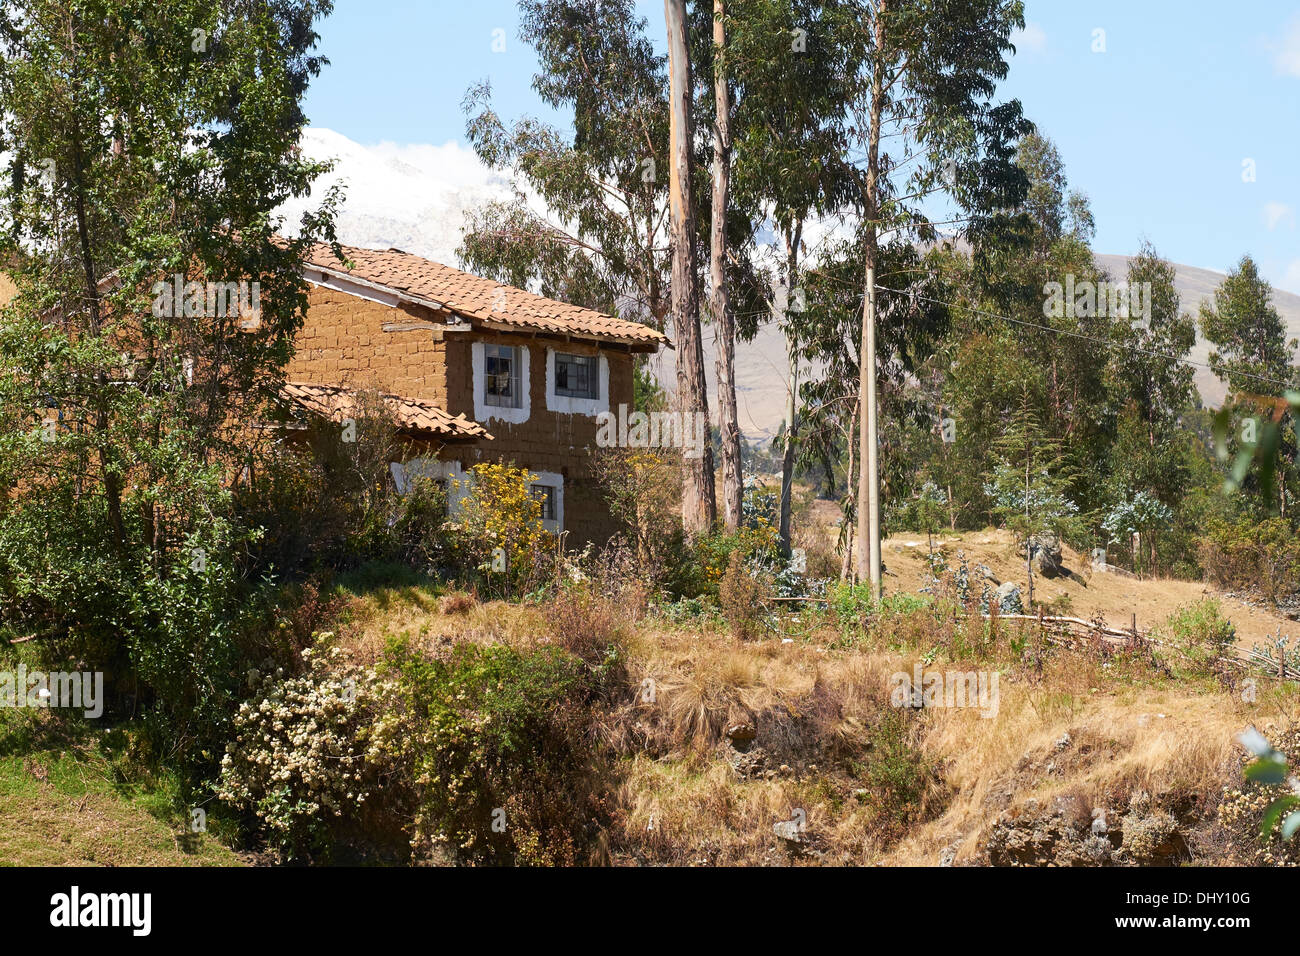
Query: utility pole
[869, 469]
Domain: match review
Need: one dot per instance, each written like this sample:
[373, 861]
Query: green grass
[66, 801]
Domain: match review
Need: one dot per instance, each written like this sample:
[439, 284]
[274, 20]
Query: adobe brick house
[472, 369]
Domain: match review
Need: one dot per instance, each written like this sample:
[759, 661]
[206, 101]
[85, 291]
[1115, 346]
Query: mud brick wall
[549, 441]
[343, 342]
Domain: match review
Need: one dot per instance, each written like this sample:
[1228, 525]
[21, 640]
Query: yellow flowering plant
[499, 521]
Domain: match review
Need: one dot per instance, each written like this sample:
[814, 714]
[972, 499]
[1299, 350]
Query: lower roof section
[409, 414]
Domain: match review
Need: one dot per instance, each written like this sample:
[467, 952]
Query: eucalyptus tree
[923, 116]
[1152, 383]
[792, 69]
[1253, 356]
[599, 238]
[1247, 332]
[591, 218]
[699, 503]
[1030, 483]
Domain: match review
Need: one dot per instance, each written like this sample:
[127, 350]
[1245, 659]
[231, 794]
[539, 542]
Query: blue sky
[1155, 129]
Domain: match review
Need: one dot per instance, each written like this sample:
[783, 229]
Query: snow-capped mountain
[409, 197]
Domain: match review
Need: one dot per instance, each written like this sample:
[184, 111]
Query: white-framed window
[548, 488]
[501, 376]
[547, 495]
[501, 382]
[576, 376]
[577, 384]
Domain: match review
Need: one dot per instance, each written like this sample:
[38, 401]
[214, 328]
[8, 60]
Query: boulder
[1045, 554]
[1007, 597]
[741, 734]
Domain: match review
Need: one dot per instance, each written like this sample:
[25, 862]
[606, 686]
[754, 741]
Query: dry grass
[679, 796]
[430, 622]
[1116, 598]
[1158, 741]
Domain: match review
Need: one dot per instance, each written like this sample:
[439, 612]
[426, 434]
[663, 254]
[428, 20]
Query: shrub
[586, 624]
[851, 605]
[498, 531]
[705, 563]
[1200, 631]
[324, 501]
[740, 596]
[1259, 556]
[1258, 815]
[300, 762]
[643, 489]
[904, 786]
[491, 738]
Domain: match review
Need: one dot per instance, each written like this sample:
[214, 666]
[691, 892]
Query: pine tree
[1030, 485]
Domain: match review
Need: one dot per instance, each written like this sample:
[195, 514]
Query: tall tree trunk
[793, 238]
[112, 480]
[868, 514]
[723, 316]
[699, 507]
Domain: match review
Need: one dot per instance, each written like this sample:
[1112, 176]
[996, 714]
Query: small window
[501, 368]
[546, 495]
[575, 376]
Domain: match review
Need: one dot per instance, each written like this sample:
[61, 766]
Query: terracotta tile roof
[336, 403]
[477, 298]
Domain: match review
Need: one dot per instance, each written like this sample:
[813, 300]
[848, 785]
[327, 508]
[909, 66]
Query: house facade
[471, 369]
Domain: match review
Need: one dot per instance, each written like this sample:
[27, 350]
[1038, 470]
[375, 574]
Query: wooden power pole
[869, 468]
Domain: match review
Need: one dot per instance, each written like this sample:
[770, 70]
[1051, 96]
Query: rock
[1045, 554]
[1008, 598]
[749, 763]
[1069, 834]
[790, 831]
[1062, 742]
[741, 734]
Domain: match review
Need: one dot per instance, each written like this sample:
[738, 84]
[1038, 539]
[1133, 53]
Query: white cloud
[1031, 38]
[1286, 58]
[1291, 278]
[411, 197]
[1278, 213]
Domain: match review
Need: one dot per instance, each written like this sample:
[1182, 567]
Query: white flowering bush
[1262, 814]
[299, 759]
